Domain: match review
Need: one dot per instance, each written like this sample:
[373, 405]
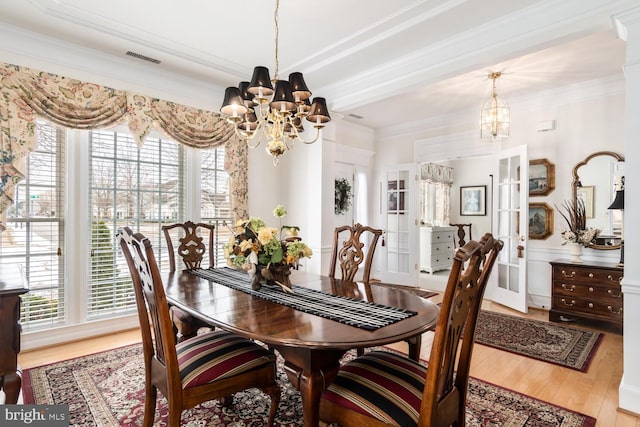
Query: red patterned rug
[107, 389]
[551, 342]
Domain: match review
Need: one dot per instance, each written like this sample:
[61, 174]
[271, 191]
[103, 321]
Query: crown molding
[514, 35]
[96, 22]
[29, 49]
[593, 89]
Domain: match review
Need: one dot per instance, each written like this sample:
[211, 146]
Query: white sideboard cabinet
[436, 248]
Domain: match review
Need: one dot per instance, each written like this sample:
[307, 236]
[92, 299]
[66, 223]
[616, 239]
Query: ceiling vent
[143, 57]
[355, 116]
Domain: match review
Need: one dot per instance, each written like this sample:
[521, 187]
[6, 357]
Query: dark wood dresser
[12, 285]
[588, 293]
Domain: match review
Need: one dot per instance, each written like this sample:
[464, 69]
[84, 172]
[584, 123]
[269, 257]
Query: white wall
[588, 118]
[472, 173]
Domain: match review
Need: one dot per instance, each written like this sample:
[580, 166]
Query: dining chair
[462, 234]
[385, 388]
[348, 244]
[209, 366]
[191, 250]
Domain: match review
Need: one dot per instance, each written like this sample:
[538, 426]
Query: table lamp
[618, 203]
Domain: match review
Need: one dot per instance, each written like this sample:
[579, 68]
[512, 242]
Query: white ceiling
[390, 62]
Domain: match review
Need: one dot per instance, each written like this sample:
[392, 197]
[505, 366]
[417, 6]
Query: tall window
[215, 205]
[435, 194]
[142, 189]
[34, 237]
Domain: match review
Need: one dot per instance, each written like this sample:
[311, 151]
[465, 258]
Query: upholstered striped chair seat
[216, 355]
[381, 384]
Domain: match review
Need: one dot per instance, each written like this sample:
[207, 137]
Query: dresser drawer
[586, 275]
[442, 260]
[442, 248]
[611, 294]
[442, 237]
[589, 307]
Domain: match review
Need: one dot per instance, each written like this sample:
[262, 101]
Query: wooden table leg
[319, 369]
[415, 343]
[11, 385]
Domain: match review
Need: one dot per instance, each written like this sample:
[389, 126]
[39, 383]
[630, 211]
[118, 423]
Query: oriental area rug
[107, 389]
[551, 342]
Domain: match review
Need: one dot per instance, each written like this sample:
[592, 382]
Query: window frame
[76, 258]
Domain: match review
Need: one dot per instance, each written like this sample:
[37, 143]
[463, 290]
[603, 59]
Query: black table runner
[354, 312]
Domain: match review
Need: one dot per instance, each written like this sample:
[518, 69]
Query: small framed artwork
[473, 200]
[395, 196]
[542, 177]
[540, 221]
[586, 195]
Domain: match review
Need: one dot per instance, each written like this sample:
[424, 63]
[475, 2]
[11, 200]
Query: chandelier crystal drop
[272, 110]
[495, 117]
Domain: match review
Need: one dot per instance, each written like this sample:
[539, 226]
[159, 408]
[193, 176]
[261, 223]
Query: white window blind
[142, 189]
[215, 205]
[34, 237]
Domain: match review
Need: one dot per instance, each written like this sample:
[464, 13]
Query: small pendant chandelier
[260, 112]
[494, 118]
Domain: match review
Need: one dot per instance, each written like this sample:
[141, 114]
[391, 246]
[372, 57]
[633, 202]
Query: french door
[399, 209]
[509, 286]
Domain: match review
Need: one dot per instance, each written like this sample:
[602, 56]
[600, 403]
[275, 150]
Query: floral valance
[433, 172]
[26, 93]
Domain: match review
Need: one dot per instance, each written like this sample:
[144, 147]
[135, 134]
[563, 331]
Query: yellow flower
[246, 244]
[266, 234]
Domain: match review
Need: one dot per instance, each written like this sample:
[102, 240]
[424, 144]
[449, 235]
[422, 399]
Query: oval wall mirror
[594, 181]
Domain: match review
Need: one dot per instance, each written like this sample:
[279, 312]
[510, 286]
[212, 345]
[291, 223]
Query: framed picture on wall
[540, 221]
[473, 200]
[542, 177]
[395, 196]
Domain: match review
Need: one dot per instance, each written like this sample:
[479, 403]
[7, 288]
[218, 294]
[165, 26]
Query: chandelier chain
[275, 18]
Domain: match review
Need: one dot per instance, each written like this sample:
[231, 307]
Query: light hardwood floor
[594, 393]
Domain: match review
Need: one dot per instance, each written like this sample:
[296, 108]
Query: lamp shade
[246, 95]
[249, 123]
[319, 114]
[299, 87]
[618, 202]
[261, 82]
[233, 104]
[282, 97]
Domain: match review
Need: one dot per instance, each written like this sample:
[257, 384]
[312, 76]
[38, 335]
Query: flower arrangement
[253, 243]
[576, 218]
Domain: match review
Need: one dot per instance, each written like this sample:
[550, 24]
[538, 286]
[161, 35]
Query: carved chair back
[191, 248]
[348, 252]
[462, 235]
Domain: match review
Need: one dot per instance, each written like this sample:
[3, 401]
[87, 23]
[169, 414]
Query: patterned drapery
[433, 172]
[26, 93]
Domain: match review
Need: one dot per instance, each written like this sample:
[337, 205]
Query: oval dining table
[310, 345]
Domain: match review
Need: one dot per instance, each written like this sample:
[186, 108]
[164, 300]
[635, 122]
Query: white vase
[575, 252]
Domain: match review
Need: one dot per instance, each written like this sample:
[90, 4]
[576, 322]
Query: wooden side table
[12, 285]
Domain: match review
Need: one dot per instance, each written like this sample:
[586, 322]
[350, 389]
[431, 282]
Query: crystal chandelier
[494, 119]
[260, 112]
